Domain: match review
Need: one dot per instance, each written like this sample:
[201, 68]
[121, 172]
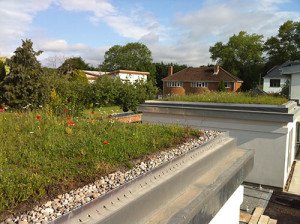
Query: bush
[221, 86]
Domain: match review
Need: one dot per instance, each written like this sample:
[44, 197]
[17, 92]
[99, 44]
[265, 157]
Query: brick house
[195, 80]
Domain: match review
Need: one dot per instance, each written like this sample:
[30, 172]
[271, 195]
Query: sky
[178, 31]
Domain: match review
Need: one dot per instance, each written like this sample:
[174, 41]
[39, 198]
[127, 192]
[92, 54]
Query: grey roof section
[276, 71]
[294, 69]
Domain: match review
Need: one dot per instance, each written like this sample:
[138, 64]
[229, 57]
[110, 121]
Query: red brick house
[194, 80]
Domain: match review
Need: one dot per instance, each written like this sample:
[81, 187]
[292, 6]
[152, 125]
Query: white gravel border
[64, 203]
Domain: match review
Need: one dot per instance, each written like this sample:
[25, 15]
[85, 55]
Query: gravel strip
[75, 198]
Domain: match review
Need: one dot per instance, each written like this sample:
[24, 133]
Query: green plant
[221, 86]
[229, 97]
[42, 153]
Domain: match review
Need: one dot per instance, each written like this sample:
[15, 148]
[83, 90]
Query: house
[195, 80]
[292, 73]
[274, 80]
[131, 76]
[93, 75]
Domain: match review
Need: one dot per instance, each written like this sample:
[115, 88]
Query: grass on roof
[227, 97]
[41, 154]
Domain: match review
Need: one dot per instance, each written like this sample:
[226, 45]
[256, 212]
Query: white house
[93, 75]
[292, 72]
[131, 76]
[274, 80]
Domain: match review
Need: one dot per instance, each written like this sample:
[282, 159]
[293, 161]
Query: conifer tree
[23, 86]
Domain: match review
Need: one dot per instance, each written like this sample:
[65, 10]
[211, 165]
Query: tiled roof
[202, 74]
[275, 72]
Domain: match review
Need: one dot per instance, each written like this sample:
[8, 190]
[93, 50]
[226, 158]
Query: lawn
[225, 97]
[42, 154]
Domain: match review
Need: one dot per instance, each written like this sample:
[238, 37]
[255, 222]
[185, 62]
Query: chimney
[216, 69]
[170, 70]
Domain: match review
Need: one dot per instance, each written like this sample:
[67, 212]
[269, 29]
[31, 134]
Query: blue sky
[174, 30]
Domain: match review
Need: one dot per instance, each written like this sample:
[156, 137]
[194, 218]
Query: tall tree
[284, 46]
[71, 64]
[132, 56]
[22, 86]
[242, 56]
[2, 71]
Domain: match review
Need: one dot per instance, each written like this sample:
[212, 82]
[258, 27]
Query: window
[199, 84]
[174, 84]
[274, 82]
[227, 84]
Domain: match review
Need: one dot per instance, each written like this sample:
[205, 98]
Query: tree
[242, 56]
[132, 56]
[285, 46]
[23, 86]
[72, 64]
[221, 86]
[2, 71]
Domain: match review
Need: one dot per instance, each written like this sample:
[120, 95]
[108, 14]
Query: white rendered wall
[268, 139]
[230, 212]
[295, 86]
[132, 77]
[268, 89]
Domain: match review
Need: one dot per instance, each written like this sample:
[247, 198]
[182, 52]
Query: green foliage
[221, 86]
[22, 86]
[161, 71]
[229, 97]
[109, 91]
[132, 56]
[2, 71]
[72, 64]
[285, 91]
[105, 90]
[285, 46]
[39, 155]
[71, 92]
[241, 56]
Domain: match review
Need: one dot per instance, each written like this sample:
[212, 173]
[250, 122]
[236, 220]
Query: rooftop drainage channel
[214, 171]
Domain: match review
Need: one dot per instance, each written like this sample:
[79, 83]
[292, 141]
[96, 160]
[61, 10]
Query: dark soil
[284, 207]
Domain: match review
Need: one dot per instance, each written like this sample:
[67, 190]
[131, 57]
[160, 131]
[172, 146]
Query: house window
[227, 84]
[174, 84]
[274, 82]
[199, 84]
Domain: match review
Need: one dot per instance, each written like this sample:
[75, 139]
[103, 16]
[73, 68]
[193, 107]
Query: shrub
[221, 86]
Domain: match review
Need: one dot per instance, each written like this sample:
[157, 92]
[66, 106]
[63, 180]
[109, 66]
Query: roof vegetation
[229, 97]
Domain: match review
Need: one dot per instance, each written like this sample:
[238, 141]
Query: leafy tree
[23, 86]
[132, 56]
[242, 56]
[2, 71]
[161, 71]
[284, 46]
[221, 86]
[72, 64]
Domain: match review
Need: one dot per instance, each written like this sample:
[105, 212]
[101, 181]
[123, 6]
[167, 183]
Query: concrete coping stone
[284, 108]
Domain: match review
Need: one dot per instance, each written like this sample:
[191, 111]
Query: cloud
[218, 20]
[15, 21]
[56, 51]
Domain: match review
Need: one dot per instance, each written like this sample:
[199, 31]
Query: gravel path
[75, 198]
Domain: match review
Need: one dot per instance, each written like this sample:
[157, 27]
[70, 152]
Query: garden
[43, 155]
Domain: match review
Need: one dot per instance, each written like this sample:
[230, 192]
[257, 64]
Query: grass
[225, 97]
[102, 112]
[41, 152]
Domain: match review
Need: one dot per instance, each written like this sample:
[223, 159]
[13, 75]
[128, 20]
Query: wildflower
[66, 110]
[105, 142]
[68, 118]
[38, 117]
[71, 123]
